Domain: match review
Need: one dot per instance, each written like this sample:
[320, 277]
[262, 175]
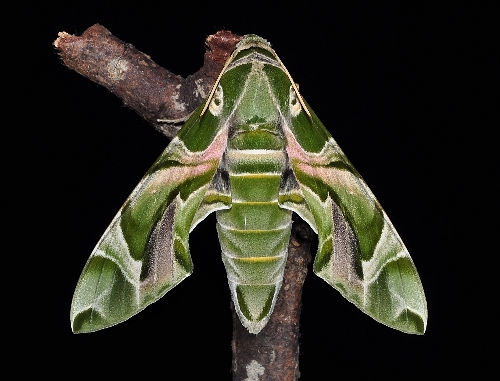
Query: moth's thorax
[255, 87]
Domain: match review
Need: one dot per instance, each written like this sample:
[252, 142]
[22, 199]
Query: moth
[253, 153]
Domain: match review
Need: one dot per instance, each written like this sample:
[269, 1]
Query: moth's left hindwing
[144, 252]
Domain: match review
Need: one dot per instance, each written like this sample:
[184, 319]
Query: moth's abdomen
[254, 233]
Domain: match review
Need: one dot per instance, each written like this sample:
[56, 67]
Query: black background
[389, 81]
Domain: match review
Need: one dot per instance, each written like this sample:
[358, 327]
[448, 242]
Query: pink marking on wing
[314, 165]
[337, 179]
[293, 148]
[195, 164]
[217, 148]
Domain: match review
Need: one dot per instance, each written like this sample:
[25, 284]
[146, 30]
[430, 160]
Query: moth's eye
[293, 102]
[217, 101]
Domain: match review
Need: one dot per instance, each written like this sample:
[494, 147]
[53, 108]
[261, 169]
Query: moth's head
[252, 39]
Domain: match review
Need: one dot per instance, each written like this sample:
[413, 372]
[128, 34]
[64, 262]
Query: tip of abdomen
[254, 303]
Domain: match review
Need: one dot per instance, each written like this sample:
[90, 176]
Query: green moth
[253, 153]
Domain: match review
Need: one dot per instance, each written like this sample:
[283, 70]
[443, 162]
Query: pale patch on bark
[117, 69]
[200, 90]
[254, 370]
[179, 106]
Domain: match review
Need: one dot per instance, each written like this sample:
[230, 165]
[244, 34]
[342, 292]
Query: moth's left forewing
[145, 252]
[360, 253]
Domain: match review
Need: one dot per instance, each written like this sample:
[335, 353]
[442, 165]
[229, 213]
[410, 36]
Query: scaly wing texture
[360, 253]
[144, 252]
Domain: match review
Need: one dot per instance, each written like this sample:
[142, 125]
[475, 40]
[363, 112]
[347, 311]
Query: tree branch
[155, 93]
[150, 90]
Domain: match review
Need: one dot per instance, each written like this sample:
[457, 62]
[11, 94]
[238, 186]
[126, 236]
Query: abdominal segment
[254, 233]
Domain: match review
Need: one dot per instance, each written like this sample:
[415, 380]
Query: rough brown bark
[155, 93]
[150, 90]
